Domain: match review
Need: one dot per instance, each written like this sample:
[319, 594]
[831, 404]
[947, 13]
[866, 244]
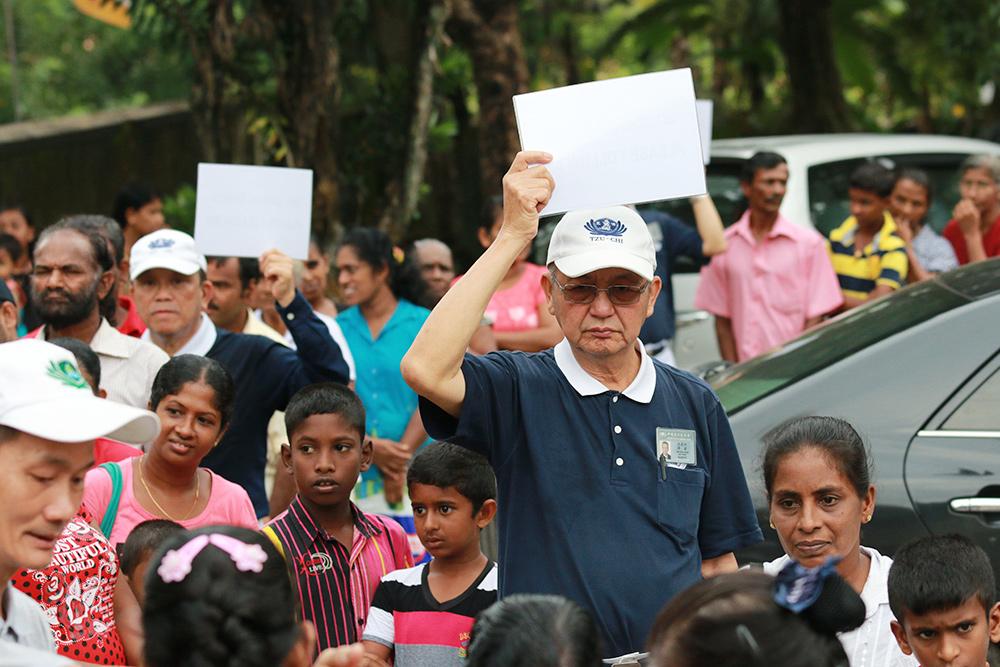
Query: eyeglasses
[619, 295]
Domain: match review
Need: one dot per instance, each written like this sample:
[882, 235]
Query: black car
[917, 374]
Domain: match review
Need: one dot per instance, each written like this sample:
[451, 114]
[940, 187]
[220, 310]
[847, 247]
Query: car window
[828, 187]
[741, 385]
[979, 411]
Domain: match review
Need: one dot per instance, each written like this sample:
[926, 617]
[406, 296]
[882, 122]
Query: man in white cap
[619, 482]
[170, 290]
[49, 419]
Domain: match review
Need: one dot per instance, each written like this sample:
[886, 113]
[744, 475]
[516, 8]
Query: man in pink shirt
[775, 279]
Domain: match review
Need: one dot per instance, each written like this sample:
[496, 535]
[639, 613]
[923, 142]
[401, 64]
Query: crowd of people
[220, 461]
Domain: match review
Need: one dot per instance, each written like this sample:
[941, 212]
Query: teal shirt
[389, 401]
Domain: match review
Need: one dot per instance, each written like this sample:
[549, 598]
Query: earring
[869, 518]
[772, 525]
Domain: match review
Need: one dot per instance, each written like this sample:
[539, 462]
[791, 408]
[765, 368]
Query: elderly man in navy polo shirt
[619, 481]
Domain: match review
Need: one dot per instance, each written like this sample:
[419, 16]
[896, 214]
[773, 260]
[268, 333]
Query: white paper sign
[704, 108]
[243, 210]
[620, 141]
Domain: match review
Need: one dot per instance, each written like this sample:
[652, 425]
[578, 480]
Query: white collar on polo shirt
[641, 389]
[200, 343]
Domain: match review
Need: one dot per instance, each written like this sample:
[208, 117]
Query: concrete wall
[77, 164]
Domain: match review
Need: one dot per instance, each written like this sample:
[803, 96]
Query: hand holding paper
[617, 141]
[279, 278]
[527, 186]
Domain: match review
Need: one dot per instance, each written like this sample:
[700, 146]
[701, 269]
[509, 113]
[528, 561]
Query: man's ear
[105, 284]
[655, 285]
[207, 292]
[8, 321]
[900, 634]
[547, 287]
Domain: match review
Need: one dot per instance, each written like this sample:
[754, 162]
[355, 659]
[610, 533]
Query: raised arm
[318, 357]
[433, 365]
[710, 227]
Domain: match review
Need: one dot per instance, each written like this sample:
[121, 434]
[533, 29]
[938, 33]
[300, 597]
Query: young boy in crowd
[941, 591]
[868, 256]
[423, 615]
[136, 551]
[336, 552]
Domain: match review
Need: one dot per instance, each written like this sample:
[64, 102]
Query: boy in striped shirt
[335, 552]
[422, 616]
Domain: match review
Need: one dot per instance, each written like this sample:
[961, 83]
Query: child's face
[6, 264]
[445, 522]
[326, 456]
[956, 637]
[867, 207]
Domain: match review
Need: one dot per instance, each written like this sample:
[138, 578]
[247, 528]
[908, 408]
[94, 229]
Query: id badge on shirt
[676, 448]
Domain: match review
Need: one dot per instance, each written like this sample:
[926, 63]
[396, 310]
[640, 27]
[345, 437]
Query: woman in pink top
[194, 398]
[518, 311]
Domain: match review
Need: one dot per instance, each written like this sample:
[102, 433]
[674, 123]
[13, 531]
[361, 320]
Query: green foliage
[69, 63]
[178, 209]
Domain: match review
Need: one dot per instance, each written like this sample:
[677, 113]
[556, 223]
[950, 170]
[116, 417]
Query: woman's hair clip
[398, 253]
[176, 563]
[820, 596]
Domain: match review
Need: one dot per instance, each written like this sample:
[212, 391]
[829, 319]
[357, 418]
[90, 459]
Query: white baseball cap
[44, 395]
[166, 249]
[615, 237]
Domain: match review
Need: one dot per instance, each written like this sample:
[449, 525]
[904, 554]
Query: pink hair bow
[176, 563]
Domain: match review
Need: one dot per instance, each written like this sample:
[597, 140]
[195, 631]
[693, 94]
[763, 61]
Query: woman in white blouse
[817, 474]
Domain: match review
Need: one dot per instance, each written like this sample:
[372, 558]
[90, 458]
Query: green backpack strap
[111, 513]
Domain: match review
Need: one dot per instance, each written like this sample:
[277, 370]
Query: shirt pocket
[783, 291]
[678, 503]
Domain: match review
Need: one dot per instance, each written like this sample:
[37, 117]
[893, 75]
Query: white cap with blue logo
[615, 237]
[166, 249]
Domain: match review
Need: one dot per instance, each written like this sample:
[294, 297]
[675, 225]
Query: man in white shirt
[72, 274]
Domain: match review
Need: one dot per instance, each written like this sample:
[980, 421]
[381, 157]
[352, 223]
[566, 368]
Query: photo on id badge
[676, 447]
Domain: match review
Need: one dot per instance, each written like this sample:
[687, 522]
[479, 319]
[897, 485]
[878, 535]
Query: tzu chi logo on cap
[605, 229]
[162, 243]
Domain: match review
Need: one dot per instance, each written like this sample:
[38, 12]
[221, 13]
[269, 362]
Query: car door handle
[690, 317]
[975, 505]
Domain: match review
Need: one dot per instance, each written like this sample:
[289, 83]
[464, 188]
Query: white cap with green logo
[42, 393]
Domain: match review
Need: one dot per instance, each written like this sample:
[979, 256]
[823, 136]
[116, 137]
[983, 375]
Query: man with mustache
[72, 274]
[775, 279]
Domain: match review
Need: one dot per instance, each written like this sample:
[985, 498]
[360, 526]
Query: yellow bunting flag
[112, 12]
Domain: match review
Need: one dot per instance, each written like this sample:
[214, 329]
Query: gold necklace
[197, 491]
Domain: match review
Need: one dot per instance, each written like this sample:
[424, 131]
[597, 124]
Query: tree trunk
[398, 214]
[308, 60]
[489, 31]
[806, 39]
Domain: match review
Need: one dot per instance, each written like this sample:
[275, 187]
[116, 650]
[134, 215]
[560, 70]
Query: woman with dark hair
[536, 630]
[818, 479]
[194, 398]
[139, 211]
[518, 312]
[733, 620]
[382, 286]
[221, 596]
